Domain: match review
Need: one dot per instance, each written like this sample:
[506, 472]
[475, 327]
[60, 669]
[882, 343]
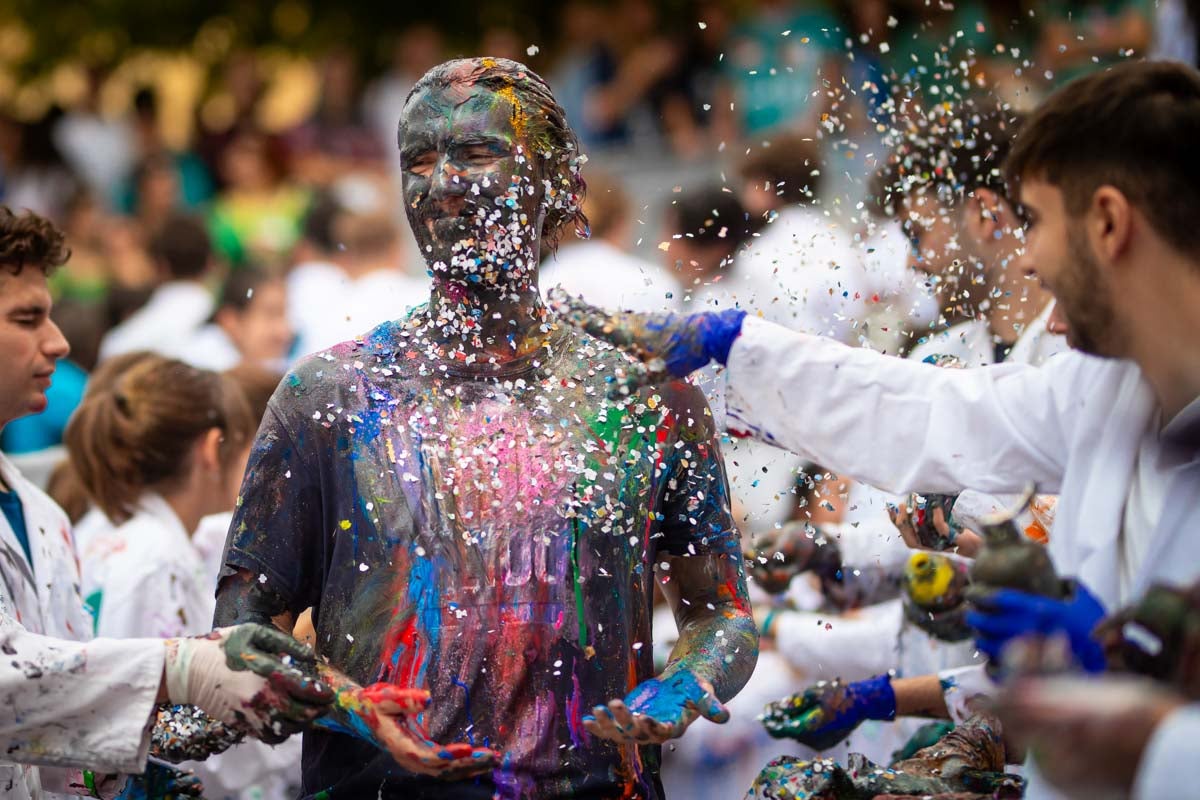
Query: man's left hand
[1007, 614]
[657, 710]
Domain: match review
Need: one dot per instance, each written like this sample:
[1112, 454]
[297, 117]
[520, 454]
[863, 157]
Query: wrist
[876, 698]
[722, 328]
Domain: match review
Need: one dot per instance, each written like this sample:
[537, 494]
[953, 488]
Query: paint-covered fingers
[591, 319]
[708, 705]
[416, 753]
[160, 781]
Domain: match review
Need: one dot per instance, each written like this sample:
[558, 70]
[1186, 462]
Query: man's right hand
[826, 713]
[387, 716]
[779, 555]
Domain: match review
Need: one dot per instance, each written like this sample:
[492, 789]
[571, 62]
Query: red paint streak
[410, 646]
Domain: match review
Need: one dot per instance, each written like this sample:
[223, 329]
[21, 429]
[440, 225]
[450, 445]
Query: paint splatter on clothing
[489, 534]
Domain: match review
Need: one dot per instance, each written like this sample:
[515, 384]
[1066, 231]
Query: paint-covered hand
[389, 717]
[185, 733]
[826, 713]
[779, 555]
[160, 782]
[251, 677]
[657, 710]
[1008, 614]
[669, 345]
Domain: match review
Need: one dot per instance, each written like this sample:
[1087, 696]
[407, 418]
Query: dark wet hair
[549, 134]
[28, 240]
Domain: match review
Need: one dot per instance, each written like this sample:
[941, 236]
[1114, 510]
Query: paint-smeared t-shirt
[489, 535]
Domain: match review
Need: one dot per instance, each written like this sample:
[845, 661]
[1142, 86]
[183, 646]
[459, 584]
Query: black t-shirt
[490, 536]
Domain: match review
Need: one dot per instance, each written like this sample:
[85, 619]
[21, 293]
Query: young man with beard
[1109, 177]
[475, 525]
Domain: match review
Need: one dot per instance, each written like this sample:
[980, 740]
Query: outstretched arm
[712, 660]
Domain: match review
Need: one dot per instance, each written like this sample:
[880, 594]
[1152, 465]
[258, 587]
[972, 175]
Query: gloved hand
[779, 555]
[1007, 614]
[825, 714]
[250, 677]
[657, 709]
[160, 782]
[670, 345]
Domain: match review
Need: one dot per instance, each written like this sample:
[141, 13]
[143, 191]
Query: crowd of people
[823, 469]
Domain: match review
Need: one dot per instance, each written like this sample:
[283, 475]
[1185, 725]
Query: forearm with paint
[718, 640]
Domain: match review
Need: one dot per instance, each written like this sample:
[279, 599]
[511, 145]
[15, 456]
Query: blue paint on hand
[667, 698]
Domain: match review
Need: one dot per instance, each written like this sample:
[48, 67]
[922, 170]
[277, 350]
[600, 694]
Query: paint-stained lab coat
[62, 702]
[146, 577]
[1074, 426]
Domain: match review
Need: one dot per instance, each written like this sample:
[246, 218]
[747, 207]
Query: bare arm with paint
[712, 660]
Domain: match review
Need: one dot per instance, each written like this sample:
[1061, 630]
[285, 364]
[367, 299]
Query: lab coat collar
[16, 483]
[1184, 427]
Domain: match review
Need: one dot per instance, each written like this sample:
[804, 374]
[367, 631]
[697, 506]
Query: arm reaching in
[712, 660]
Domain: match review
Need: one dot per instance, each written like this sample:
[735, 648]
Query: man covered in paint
[476, 526]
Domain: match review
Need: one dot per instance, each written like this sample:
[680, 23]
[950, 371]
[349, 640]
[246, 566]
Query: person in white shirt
[368, 284]
[1110, 187]
[158, 448]
[181, 304]
[602, 266]
[74, 704]
[968, 247]
[250, 324]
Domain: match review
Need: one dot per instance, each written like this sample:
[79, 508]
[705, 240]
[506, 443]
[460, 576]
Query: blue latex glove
[825, 714]
[670, 345]
[1007, 614]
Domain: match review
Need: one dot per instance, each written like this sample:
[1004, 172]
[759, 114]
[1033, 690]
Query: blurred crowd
[739, 156]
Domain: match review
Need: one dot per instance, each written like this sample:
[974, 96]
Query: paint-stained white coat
[63, 703]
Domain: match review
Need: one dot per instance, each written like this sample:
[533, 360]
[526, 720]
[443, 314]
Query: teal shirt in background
[38, 431]
[10, 504]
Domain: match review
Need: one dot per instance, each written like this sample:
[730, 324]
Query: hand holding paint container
[389, 717]
[657, 710]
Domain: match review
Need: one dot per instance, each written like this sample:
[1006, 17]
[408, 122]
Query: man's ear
[1109, 223]
[985, 213]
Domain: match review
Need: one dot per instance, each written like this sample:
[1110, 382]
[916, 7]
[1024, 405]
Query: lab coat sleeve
[963, 688]
[74, 704]
[899, 425]
[823, 646]
[1164, 772]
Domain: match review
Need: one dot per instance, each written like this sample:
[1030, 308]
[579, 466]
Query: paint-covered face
[472, 190]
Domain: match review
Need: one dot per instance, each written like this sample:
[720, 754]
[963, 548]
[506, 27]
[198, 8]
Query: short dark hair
[791, 164]
[183, 246]
[711, 215]
[1136, 127]
[29, 240]
[948, 151]
[549, 131]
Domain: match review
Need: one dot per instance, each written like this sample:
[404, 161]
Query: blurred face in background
[260, 331]
[941, 249]
[30, 343]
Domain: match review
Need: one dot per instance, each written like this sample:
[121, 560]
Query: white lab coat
[327, 307]
[41, 620]
[1074, 426]
[150, 580]
[167, 322]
